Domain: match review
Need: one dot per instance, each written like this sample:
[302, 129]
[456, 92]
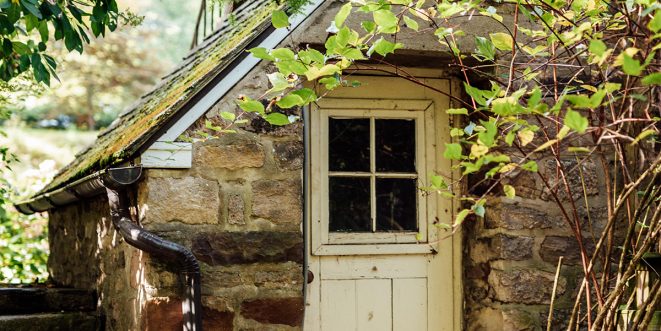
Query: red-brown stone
[162, 314]
[288, 311]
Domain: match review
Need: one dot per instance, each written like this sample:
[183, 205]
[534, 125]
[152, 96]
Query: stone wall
[511, 255]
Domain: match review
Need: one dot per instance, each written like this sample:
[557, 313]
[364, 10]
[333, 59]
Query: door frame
[449, 279]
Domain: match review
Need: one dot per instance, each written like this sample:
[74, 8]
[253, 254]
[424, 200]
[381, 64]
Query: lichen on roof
[135, 126]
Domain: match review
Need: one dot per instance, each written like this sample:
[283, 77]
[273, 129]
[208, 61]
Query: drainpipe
[116, 182]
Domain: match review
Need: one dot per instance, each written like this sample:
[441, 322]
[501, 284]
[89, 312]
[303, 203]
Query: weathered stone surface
[578, 175]
[288, 155]
[162, 314]
[520, 320]
[485, 319]
[511, 247]
[555, 246]
[230, 152]
[277, 200]
[217, 320]
[190, 200]
[235, 210]
[529, 286]
[227, 248]
[288, 311]
[515, 216]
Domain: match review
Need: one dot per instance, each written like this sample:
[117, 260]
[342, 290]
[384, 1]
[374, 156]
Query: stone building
[317, 223]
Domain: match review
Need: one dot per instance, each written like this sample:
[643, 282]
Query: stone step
[32, 300]
[51, 322]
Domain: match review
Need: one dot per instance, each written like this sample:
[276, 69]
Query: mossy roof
[135, 126]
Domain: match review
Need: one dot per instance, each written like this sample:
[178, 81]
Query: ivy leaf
[386, 20]
[383, 47]
[250, 105]
[575, 121]
[485, 49]
[261, 53]
[279, 19]
[277, 119]
[411, 23]
[530, 166]
[652, 79]
[509, 191]
[342, 15]
[461, 216]
[630, 65]
[289, 101]
[452, 151]
[502, 41]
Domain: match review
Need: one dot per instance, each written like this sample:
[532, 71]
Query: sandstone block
[235, 210]
[162, 314]
[226, 248]
[288, 155]
[555, 246]
[217, 320]
[287, 311]
[189, 200]
[514, 216]
[511, 247]
[577, 174]
[230, 152]
[277, 200]
[524, 286]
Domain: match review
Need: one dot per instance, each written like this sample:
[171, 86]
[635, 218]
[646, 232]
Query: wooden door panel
[409, 301]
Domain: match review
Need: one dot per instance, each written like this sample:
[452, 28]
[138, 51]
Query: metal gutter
[83, 188]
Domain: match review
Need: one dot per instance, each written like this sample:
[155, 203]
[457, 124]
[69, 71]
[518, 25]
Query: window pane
[349, 144]
[349, 205]
[395, 145]
[396, 201]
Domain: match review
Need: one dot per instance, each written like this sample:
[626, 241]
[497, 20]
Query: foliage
[552, 81]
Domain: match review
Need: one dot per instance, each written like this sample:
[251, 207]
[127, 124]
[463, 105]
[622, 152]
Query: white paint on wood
[176, 155]
[373, 304]
[409, 301]
[387, 267]
[338, 305]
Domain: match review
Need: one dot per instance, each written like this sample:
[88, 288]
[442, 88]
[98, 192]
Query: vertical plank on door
[338, 305]
[409, 300]
[373, 304]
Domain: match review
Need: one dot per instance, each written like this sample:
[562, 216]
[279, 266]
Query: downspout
[307, 277]
[116, 182]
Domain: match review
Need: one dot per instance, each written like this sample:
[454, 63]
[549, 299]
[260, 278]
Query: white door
[378, 258]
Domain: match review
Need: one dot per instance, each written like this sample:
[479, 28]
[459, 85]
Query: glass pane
[349, 144]
[395, 145]
[396, 201]
[349, 205]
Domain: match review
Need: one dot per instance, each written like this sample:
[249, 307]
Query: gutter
[115, 182]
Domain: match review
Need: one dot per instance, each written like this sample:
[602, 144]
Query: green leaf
[478, 209]
[383, 47]
[368, 26]
[327, 70]
[452, 151]
[630, 65]
[250, 105]
[20, 48]
[229, 116]
[438, 182]
[655, 23]
[502, 41]
[485, 49]
[411, 23]
[279, 19]
[311, 55]
[261, 53]
[278, 82]
[386, 20]
[277, 119]
[576, 121]
[306, 94]
[283, 54]
[652, 79]
[546, 145]
[643, 135]
[530, 166]
[488, 137]
[461, 216]
[509, 191]
[597, 47]
[32, 8]
[289, 101]
[578, 149]
[342, 15]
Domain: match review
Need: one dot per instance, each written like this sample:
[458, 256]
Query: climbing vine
[553, 80]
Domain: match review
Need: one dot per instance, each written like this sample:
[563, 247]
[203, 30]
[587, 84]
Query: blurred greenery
[93, 88]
